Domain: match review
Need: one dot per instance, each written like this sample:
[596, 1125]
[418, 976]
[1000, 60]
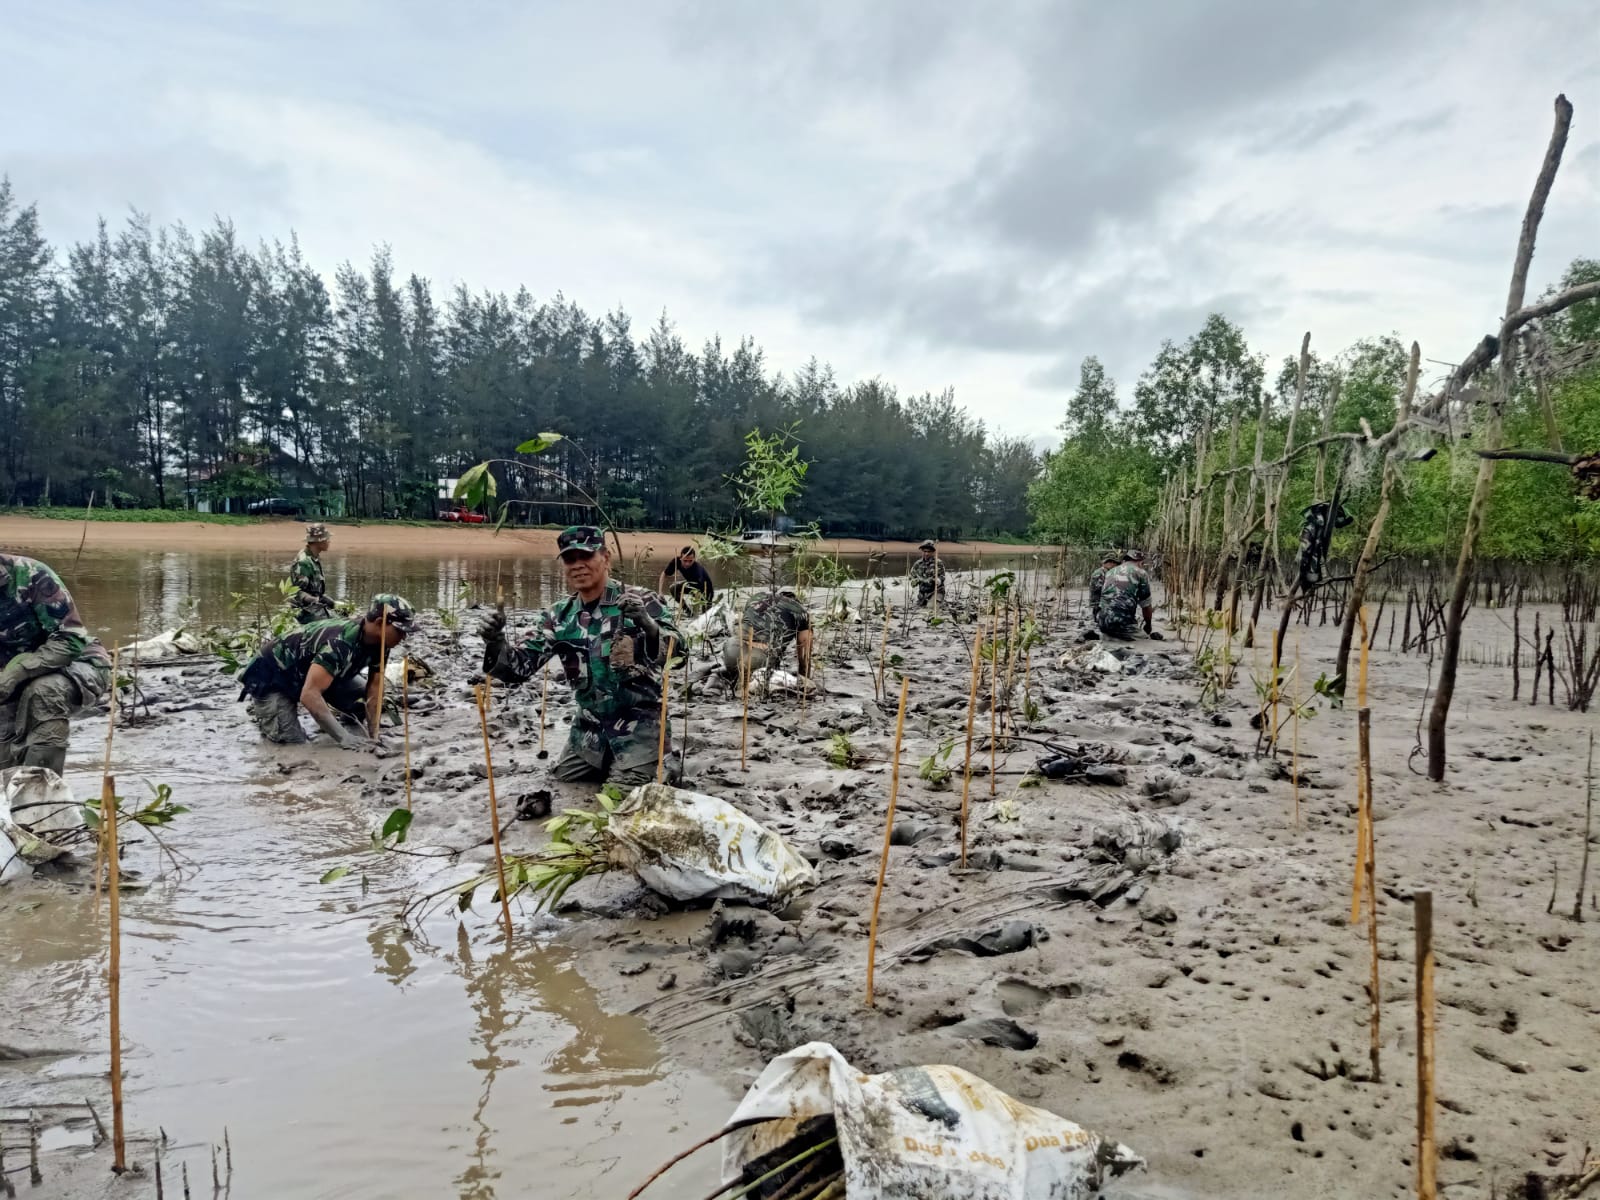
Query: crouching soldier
[318, 667]
[49, 665]
[1124, 596]
[611, 642]
[769, 625]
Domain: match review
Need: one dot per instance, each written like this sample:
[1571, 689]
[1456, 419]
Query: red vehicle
[462, 514]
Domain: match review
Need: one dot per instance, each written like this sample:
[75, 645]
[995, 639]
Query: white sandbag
[690, 846]
[712, 623]
[34, 805]
[923, 1131]
[417, 669]
[1091, 657]
[174, 643]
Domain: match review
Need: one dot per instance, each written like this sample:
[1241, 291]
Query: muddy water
[344, 1057]
[123, 590]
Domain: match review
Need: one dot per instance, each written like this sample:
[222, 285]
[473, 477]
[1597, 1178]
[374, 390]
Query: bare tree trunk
[1250, 509]
[1369, 550]
[1440, 713]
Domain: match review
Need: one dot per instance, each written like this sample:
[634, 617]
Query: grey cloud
[1307, 129]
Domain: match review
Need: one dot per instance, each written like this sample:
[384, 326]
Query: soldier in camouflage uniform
[1124, 594]
[1097, 579]
[611, 642]
[310, 600]
[1317, 523]
[928, 574]
[318, 666]
[49, 665]
[770, 622]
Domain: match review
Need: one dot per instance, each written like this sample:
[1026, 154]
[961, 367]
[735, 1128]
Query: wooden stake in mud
[994, 699]
[383, 667]
[108, 818]
[544, 698]
[883, 656]
[405, 719]
[105, 773]
[1427, 1156]
[1294, 716]
[888, 835]
[972, 709]
[1366, 855]
[744, 727]
[494, 808]
[661, 741]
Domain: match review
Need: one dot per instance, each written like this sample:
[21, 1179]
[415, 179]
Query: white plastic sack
[921, 1132]
[34, 804]
[690, 846]
[712, 623]
[174, 643]
[1091, 657]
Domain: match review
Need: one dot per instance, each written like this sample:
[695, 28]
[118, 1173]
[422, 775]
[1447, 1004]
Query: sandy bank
[27, 534]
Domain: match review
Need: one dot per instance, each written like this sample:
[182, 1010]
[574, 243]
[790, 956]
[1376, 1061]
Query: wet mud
[1148, 943]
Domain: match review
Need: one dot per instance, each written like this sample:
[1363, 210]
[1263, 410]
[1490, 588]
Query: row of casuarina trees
[1200, 570]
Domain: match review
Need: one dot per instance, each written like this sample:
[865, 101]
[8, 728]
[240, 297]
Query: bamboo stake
[105, 771]
[883, 656]
[744, 728]
[1294, 716]
[544, 697]
[994, 695]
[108, 818]
[966, 771]
[888, 834]
[405, 719]
[1427, 1157]
[661, 742]
[494, 808]
[383, 666]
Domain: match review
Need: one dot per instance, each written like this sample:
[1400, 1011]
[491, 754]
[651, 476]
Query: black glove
[633, 609]
[493, 631]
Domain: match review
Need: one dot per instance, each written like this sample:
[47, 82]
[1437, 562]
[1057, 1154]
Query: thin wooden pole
[383, 667]
[494, 808]
[105, 772]
[888, 836]
[661, 741]
[883, 655]
[544, 697]
[972, 707]
[994, 697]
[1294, 716]
[108, 818]
[744, 727]
[405, 719]
[1427, 1156]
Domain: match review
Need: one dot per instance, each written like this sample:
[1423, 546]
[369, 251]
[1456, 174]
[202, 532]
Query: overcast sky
[941, 193]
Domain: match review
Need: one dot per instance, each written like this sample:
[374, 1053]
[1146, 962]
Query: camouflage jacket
[1125, 592]
[774, 620]
[603, 656]
[1097, 583]
[335, 646]
[928, 575]
[38, 618]
[305, 573]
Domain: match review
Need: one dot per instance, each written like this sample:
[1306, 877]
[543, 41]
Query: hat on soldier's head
[927, 545]
[1110, 556]
[1135, 556]
[390, 609]
[588, 538]
[316, 533]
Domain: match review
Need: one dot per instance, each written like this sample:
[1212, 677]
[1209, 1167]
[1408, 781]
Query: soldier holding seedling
[49, 665]
[611, 642]
[318, 667]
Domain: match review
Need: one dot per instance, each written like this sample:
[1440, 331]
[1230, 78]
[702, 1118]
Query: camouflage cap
[316, 533]
[1134, 556]
[1110, 556]
[391, 609]
[581, 537]
[927, 545]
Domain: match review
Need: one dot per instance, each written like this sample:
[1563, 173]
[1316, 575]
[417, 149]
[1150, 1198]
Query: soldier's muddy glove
[493, 632]
[633, 608]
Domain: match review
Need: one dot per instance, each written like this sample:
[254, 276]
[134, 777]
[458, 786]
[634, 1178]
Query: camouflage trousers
[762, 657]
[1113, 626]
[36, 722]
[277, 714]
[619, 751]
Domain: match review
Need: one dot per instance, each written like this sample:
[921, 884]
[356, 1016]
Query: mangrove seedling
[842, 752]
[936, 767]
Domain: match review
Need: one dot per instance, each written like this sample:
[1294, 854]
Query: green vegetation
[158, 366]
[1103, 484]
[57, 512]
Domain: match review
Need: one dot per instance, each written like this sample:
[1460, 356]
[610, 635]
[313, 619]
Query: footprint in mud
[909, 833]
[995, 1031]
[1019, 998]
[1156, 1071]
[1008, 938]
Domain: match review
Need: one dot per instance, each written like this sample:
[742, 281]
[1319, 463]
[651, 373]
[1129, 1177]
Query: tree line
[1213, 393]
[157, 366]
